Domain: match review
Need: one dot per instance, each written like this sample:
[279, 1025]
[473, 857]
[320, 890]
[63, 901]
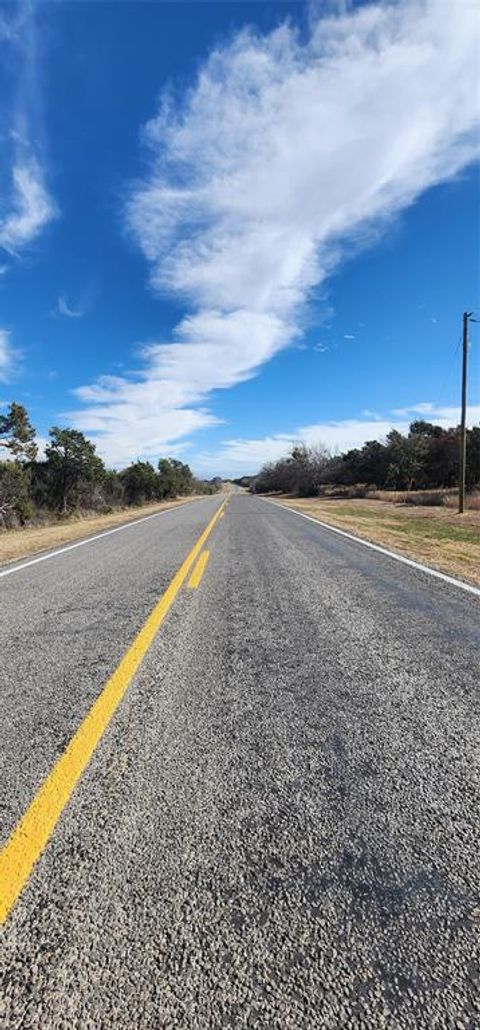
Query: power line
[451, 365]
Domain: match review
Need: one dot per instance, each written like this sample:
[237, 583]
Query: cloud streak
[25, 203]
[7, 356]
[30, 207]
[283, 156]
[67, 310]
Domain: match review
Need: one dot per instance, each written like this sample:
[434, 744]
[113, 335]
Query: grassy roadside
[20, 543]
[435, 536]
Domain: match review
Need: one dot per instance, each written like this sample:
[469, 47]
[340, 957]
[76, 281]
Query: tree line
[73, 478]
[424, 458]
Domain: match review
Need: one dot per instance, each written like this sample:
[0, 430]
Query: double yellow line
[36, 826]
[198, 571]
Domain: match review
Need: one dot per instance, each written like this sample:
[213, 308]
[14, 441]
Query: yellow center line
[32, 833]
[198, 571]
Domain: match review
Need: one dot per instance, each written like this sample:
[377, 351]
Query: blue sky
[225, 227]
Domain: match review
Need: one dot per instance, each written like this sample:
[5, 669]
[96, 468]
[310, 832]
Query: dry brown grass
[436, 497]
[472, 501]
[19, 543]
[446, 498]
[436, 536]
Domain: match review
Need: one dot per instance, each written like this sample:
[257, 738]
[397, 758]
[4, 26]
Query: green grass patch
[437, 530]
[427, 528]
[357, 513]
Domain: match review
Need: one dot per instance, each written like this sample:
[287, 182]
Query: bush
[140, 483]
[425, 498]
[425, 459]
[356, 491]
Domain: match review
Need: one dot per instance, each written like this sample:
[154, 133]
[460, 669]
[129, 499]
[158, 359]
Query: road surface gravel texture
[279, 827]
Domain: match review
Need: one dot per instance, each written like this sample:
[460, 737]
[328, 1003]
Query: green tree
[442, 459]
[425, 429]
[184, 477]
[140, 482]
[166, 478]
[405, 454]
[112, 488]
[71, 463]
[15, 501]
[174, 478]
[17, 434]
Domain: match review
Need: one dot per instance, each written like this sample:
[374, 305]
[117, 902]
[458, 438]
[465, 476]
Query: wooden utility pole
[463, 424]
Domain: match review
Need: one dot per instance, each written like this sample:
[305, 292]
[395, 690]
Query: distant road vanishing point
[239, 781]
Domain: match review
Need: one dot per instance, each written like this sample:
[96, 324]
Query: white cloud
[30, 206]
[244, 456]
[430, 412]
[8, 29]
[241, 457]
[66, 309]
[25, 204]
[137, 419]
[283, 156]
[7, 356]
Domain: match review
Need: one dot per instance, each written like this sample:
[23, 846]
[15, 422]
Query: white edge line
[90, 539]
[381, 550]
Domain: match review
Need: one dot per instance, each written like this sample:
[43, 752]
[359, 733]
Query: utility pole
[463, 425]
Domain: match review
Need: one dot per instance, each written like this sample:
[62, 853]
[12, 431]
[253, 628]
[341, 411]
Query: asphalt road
[279, 826]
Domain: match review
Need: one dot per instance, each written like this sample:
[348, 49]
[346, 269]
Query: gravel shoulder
[433, 536]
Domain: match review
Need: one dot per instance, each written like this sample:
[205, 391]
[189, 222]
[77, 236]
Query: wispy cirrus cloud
[25, 203]
[68, 310]
[29, 206]
[282, 156]
[10, 26]
[8, 356]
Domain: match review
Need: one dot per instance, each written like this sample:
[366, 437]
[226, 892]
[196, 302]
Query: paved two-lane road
[279, 827]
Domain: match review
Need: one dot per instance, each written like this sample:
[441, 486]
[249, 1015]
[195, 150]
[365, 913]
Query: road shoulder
[451, 550]
[16, 544]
